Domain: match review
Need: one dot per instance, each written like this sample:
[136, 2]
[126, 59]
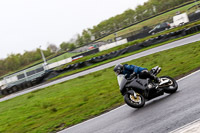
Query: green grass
[68, 103]
[150, 22]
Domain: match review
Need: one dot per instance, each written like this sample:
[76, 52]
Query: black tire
[4, 92]
[10, 91]
[128, 101]
[14, 89]
[29, 84]
[24, 85]
[173, 87]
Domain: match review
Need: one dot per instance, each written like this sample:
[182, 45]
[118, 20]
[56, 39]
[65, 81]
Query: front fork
[133, 93]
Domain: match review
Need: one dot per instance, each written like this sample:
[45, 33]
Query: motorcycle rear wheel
[134, 102]
[172, 88]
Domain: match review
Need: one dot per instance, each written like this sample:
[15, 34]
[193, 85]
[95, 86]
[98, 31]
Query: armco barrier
[139, 35]
[111, 45]
[59, 63]
[96, 50]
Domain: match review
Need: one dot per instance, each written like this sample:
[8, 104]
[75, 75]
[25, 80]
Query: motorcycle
[136, 90]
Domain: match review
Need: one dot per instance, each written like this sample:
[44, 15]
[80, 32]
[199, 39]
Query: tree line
[17, 61]
[14, 62]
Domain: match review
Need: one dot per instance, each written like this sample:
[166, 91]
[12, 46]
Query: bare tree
[53, 48]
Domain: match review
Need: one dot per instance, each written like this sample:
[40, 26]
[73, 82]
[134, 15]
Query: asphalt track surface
[129, 58]
[160, 115]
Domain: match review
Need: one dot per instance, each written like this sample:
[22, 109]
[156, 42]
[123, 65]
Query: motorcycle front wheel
[137, 102]
[170, 87]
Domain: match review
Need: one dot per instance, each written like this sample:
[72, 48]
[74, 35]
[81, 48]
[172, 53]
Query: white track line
[185, 126]
[188, 75]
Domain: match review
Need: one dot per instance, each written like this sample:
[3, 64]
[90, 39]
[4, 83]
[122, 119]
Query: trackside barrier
[59, 63]
[2, 83]
[93, 51]
[10, 79]
[111, 45]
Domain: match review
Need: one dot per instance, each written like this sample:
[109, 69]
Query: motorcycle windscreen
[121, 81]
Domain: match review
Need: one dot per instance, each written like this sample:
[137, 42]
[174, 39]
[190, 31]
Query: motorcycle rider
[127, 70]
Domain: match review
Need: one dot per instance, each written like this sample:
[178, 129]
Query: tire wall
[194, 16]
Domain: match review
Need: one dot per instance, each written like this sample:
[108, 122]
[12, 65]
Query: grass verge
[68, 103]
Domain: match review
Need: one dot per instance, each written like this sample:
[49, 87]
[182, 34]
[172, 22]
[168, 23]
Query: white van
[180, 19]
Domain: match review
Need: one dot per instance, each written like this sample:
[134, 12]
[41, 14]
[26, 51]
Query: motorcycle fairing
[122, 82]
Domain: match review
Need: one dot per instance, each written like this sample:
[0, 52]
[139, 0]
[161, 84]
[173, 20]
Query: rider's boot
[157, 79]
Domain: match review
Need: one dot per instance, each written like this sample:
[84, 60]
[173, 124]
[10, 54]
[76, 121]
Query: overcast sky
[27, 24]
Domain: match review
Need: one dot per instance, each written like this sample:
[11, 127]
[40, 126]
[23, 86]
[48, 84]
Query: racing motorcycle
[136, 90]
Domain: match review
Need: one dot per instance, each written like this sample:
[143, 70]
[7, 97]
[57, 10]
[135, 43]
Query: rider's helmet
[118, 69]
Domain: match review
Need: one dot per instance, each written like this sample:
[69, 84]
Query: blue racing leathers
[129, 69]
